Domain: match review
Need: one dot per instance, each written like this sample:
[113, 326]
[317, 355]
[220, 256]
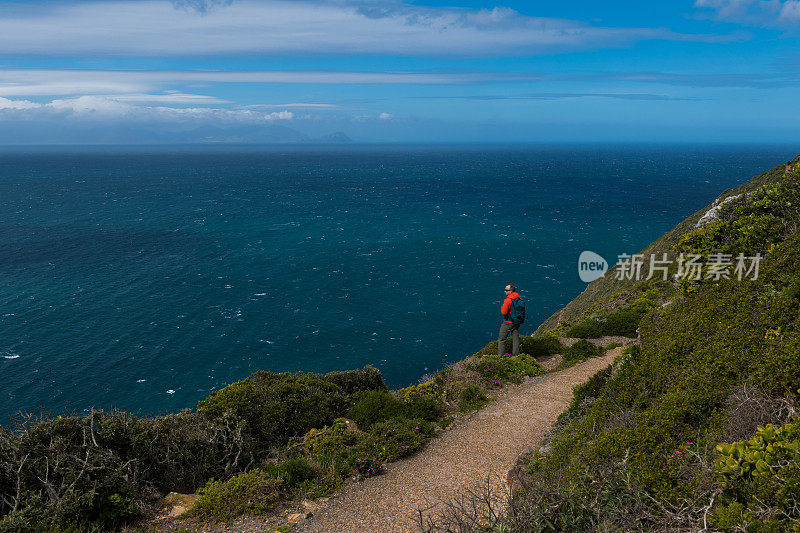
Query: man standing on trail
[513, 311]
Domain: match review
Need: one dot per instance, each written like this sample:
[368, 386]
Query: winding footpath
[475, 452]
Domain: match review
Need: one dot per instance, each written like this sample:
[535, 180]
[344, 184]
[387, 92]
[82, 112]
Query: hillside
[608, 292]
[694, 429]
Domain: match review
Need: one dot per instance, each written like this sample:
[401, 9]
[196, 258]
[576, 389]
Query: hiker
[513, 311]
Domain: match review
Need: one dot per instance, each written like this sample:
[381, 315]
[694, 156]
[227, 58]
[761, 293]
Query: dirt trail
[483, 447]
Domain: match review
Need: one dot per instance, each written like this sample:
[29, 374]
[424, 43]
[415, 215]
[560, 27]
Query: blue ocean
[144, 278]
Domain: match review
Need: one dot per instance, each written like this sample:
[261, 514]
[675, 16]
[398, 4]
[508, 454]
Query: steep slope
[676, 434]
[608, 293]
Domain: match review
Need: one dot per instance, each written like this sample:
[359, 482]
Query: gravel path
[483, 447]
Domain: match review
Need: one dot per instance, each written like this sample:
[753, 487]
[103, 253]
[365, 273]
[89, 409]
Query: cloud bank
[765, 13]
[46, 82]
[142, 86]
[202, 27]
[126, 107]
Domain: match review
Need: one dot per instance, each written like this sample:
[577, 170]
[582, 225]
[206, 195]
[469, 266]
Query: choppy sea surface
[145, 278]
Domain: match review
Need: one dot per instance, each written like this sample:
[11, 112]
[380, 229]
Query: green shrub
[393, 439]
[374, 406]
[578, 352]
[541, 346]
[472, 398]
[253, 493]
[179, 452]
[352, 381]
[277, 406]
[377, 406]
[502, 367]
[367, 466]
[425, 400]
[330, 440]
[493, 366]
[623, 321]
[330, 473]
[603, 497]
[102, 468]
[761, 477]
[428, 409]
[291, 471]
[74, 512]
[426, 390]
[588, 390]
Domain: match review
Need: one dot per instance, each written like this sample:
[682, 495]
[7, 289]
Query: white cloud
[54, 82]
[170, 97]
[769, 13]
[16, 83]
[281, 115]
[210, 114]
[99, 105]
[790, 12]
[301, 105]
[158, 28]
[5, 103]
[104, 108]
[385, 116]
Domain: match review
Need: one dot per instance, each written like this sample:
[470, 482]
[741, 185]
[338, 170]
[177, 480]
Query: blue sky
[391, 71]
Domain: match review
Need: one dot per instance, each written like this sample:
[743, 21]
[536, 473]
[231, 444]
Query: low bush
[367, 466]
[253, 493]
[455, 377]
[100, 470]
[428, 409]
[377, 406]
[472, 398]
[330, 440]
[623, 321]
[292, 471]
[374, 406]
[587, 392]
[579, 352]
[73, 512]
[425, 400]
[761, 481]
[278, 406]
[352, 381]
[330, 473]
[428, 390]
[541, 346]
[505, 368]
[394, 439]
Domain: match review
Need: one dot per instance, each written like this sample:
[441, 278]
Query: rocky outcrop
[712, 215]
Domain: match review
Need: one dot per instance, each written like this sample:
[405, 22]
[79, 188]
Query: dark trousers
[505, 330]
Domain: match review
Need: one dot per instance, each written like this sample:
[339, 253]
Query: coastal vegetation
[248, 448]
[694, 428]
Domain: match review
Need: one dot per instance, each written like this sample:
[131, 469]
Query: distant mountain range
[36, 132]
